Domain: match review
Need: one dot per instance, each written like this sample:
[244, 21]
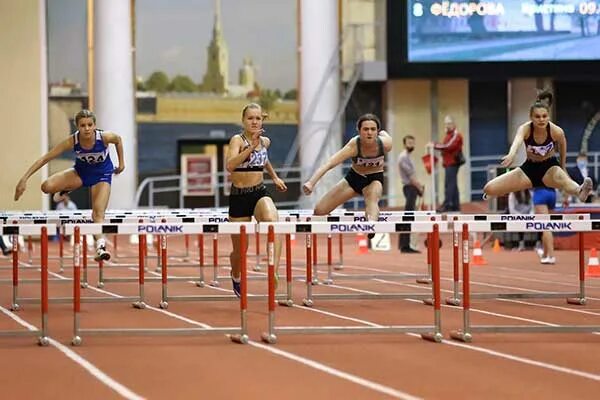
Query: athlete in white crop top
[542, 139]
[367, 152]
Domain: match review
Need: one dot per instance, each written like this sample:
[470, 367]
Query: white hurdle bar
[580, 226]
[457, 220]
[238, 334]
[429, 332]
[41, 230]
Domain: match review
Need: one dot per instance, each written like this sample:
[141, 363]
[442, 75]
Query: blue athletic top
[95, 159]
[257, 159]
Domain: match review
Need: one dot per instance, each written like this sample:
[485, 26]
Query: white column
[521, 95]
[319, 90]
[114, 91]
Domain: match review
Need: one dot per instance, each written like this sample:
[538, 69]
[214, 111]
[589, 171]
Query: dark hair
[252, 105]
[542, 100]
[407, 137]
[84, 114]
[368, 117]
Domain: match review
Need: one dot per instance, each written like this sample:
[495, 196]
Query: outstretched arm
[279, 183]
[57, 150]
[111, 137]
[518, 141]
[558, 135]
[346, 152]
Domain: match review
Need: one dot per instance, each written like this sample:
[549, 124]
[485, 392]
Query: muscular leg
[100, 194]
[66, 180]
[547, 239]
[338, 195]
[234, 256]
[512, 181]
[265, 211]
[557, 178]
[372, 193]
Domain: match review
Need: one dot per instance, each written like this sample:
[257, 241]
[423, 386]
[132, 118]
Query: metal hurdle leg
[329, 279]
[243, 336]
[288, 302]
[163, 271]
[269, 336]
[465, 335]
[427, 280]
[76, 341]
[215, 280]
[186, 240]
[140, 304]
[200, 283]
[256, 267]
[15, 273]
[454, 300]
[581, 300]
[436, 335]
[115, 241]
[341, 252]
[61, 251]
[84, 282]
[100, 274]
[43, 339]
[29, 249]
[308, 301]
[315, 271]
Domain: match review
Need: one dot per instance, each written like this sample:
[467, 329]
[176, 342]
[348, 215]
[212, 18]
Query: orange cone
[363, 243]
[593, 269]
[478, 255]
[496, 248]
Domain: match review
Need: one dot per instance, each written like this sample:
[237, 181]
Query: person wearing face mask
[452, 159]
[581, 171]
[411, 187]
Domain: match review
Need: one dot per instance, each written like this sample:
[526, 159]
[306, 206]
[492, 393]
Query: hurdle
[580, 226]
[399, 217]
[237, 334]
[429, 332]
[42, 231]
[458, 220]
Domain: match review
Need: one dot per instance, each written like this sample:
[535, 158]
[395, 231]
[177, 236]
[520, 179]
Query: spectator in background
[452, 159]
[410, 187]
[66, 204]
[581, 171]
[520, 203]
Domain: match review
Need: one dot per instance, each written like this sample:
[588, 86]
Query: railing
[479, 168]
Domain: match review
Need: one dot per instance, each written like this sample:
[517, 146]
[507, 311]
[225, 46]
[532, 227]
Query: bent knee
[320, 210]
[47, 187]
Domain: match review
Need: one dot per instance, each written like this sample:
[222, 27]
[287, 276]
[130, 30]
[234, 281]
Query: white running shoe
[548, 260]
[585, 189]
[59, 196]
[101, 254]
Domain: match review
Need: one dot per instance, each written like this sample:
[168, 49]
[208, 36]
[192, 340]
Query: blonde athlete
[93, 168]
[246, 161]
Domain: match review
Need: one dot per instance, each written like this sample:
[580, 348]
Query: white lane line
[497, 353]
[86, 365]
[336, 372]
[291, 356]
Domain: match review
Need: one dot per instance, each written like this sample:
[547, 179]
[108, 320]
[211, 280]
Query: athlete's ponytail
[543, 100]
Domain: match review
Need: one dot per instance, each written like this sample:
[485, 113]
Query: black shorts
[358, 182]
[243, 200]
[535, 171]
